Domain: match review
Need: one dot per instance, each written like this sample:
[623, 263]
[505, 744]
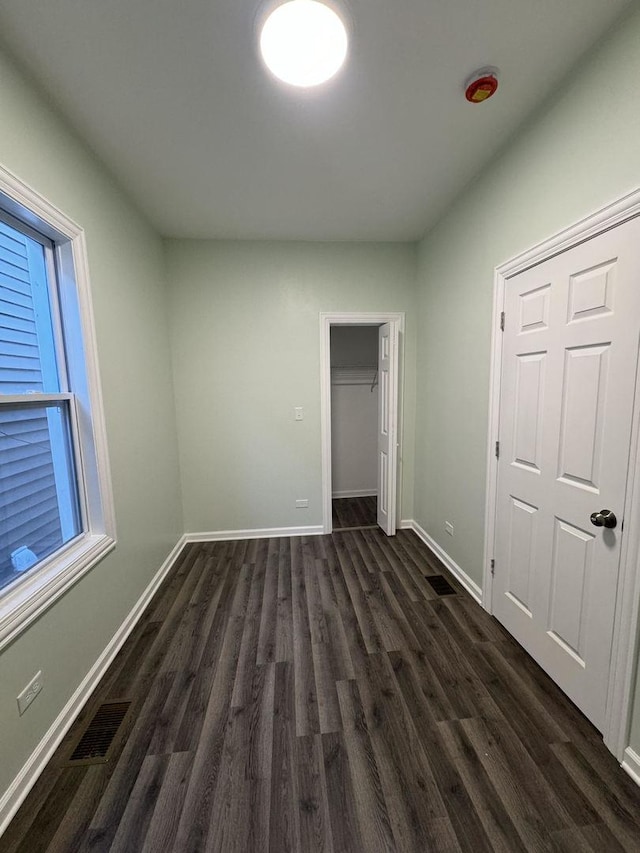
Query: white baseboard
[356, 493]
[406, 524]
[15, 794]
[259, 533]
[459, 574]
[631, 764]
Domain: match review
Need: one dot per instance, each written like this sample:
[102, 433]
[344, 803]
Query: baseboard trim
[631, 764]
[459, 574]
[355, 493]
[259, 533]
[17, 791]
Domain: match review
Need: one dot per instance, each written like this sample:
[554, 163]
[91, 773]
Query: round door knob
[604, 518]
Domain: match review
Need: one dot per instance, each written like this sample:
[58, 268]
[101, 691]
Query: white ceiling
[172, 96]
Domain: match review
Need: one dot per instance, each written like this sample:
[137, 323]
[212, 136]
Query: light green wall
[129, 298]
[246, 344]
[580, 153]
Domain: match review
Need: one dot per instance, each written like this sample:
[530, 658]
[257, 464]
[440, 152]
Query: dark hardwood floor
[315, 694]
[354, 512]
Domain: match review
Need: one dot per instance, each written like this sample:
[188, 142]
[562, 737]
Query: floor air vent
[94, 744]
[440, 585]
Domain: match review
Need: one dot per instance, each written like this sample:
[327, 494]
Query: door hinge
[493, 567]
[497, 450]
[502, 321]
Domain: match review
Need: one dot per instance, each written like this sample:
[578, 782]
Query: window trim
[27, 598]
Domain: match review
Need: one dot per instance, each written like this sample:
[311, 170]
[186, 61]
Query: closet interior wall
[354, 408]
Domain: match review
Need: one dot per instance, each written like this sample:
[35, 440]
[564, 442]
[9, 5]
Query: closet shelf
[354, 376]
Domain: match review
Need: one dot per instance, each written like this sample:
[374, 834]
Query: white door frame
[626, 620]
[327, 320]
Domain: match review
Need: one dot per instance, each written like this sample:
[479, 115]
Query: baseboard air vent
[440, 585]
[93, 746]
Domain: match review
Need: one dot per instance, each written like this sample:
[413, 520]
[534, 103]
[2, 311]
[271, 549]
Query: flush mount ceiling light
[303, 42]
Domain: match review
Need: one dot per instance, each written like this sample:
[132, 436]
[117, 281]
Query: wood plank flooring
[354, 512]
[315, 694]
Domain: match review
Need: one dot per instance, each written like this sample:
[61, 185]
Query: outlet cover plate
[26, 697]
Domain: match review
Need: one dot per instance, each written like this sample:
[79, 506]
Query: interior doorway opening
[354, 426]
[352, 387]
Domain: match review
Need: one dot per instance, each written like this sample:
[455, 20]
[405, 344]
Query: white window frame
[29, 596]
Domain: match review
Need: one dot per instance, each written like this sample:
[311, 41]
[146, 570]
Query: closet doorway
[354, 426]
[359, 402]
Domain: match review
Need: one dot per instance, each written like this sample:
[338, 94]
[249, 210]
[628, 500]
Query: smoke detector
[481, 85]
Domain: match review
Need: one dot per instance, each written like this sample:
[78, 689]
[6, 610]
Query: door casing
[626, 619]
[327, 320]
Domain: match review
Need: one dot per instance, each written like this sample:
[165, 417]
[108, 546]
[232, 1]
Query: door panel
[529, 410]
[534, 309]
[568, 377]
[583, 399]
[591, 292]
[522, 548]
[383, 489]
[570, 569]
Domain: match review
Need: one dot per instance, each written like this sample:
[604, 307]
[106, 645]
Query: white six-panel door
[570, 354]
[387, 426]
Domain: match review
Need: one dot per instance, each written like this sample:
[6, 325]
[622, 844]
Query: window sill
[27, 599]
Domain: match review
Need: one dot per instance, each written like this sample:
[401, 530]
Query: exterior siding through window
[29, 513]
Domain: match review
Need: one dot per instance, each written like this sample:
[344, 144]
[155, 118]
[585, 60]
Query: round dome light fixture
[303, 43]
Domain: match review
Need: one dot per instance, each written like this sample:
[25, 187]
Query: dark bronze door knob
[604, 518]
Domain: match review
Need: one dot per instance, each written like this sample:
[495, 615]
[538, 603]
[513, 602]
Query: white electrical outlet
[301, 504]
[298, 413]
[29, 693]
[448, 528]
